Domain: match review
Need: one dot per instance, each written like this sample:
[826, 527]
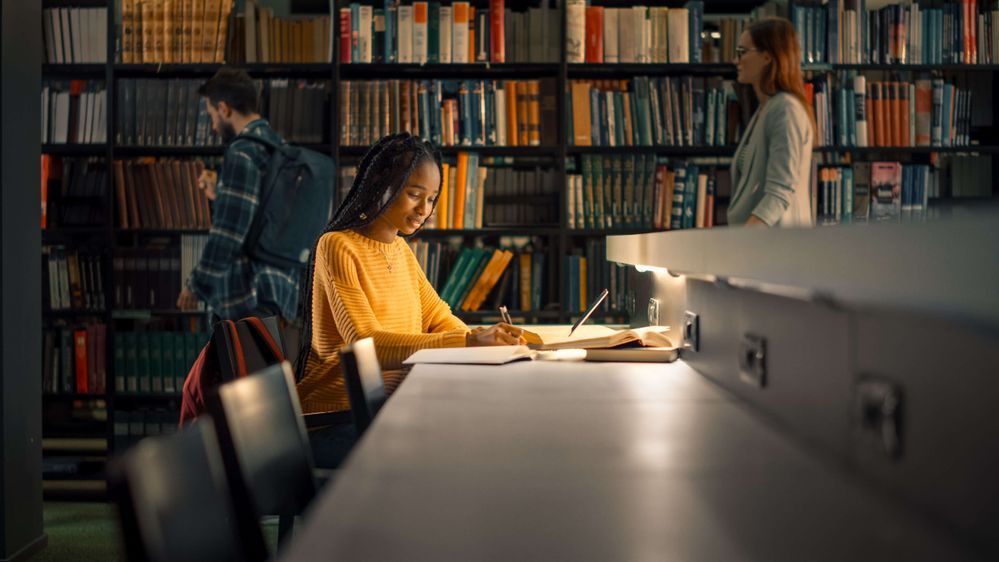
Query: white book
[640, 25]
[420, 46]
[57, 50]
[679, 38]
[83, 109]
[575, 34]
[445, 34]
[500, 116]
[859, 101]
[625, 36]
[102, 122]
[459, 33]
[76, 33]
[102, 51]
[364, 34]
[60, 129]
[90, 31]
[405, 33]
[45, 115]
[67, 36]
[610, 35]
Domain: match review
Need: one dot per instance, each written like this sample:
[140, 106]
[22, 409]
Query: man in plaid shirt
[233, 285]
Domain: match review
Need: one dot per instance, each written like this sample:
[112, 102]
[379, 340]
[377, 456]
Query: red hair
[776, 36]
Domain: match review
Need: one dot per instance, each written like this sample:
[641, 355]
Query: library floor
[88, 531]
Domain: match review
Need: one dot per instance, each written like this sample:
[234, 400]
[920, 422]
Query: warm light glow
[653, 269]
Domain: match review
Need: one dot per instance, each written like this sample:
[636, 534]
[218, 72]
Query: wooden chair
[365, 388]
[175, 505]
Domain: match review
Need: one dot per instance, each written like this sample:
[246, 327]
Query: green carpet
[88, 531]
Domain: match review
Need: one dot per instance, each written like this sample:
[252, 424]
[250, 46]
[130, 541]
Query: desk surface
[589, 461]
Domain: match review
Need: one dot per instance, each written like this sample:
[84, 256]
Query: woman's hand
[497, 334]
[754, 220]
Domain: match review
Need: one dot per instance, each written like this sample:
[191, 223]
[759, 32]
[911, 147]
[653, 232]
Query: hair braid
[381, 174]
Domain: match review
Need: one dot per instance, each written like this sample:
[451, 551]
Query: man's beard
[227, 133]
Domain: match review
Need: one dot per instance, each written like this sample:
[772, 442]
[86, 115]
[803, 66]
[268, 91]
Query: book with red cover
[497, 32]
[80, 353]
[595, 34]
[345, 35]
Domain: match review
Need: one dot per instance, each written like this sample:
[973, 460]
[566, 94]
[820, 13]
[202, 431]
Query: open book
[596, 337]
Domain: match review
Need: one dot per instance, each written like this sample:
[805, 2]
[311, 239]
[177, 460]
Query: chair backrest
[175, 504]
[363, 375]
[264, 443]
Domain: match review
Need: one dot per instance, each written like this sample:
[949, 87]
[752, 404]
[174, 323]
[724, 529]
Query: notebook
[494, 355]
[490, 355]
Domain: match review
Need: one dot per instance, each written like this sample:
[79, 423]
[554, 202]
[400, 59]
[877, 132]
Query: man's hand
[754, 220]
[187, 300]
[498, 334]
[206, 183]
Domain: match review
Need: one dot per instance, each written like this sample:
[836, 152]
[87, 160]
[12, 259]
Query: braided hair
[382, 173]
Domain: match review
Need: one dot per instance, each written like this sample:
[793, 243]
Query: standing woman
[770, 170]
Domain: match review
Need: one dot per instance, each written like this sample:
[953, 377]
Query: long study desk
[590, 461]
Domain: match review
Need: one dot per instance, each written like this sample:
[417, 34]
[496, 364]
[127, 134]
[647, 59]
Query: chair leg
[286, 523]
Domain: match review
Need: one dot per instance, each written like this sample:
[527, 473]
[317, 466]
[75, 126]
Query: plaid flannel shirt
[233, 285]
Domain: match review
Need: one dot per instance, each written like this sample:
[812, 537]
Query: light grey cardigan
[771, 178]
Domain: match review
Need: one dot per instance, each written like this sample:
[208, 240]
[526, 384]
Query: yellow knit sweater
[354, 296]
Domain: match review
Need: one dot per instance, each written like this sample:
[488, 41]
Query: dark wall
[20, 279]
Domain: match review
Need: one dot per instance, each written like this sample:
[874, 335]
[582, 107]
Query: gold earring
[364, 216]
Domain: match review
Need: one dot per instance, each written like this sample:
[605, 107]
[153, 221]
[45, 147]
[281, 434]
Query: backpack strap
[261, 140]
[264, 336]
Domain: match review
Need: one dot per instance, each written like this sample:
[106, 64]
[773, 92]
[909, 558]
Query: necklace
[388, 262]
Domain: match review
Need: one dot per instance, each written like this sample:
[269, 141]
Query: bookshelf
[554, 241]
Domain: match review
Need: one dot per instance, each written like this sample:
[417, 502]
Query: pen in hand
[504, 315]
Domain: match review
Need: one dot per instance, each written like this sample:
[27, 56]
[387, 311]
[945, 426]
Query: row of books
[637, 34]
[160, 194]
[75, 188]
[75, 35]
[74, 278]
[925, 112]
[667, 111]
[147, 278]
[154, 362]
[474, 195]
[872, 191]
[259, 36]
[450, 112]
[588, 273]
[132, 426]
[174, 31]
[637, 191]
[73, 359]
[472, 278]
[74, 112]
[152, 112]
[919, 32]
[297, 109]
[431, 32]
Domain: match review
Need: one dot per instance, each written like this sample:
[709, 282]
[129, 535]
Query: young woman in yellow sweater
[366, 282]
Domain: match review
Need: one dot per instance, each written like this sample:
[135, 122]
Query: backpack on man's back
[296, 200]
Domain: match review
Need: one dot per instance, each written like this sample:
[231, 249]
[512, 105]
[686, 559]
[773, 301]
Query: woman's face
[750, 62]
[416, 199]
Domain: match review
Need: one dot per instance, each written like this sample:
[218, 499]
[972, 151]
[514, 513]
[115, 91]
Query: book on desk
[548, 343]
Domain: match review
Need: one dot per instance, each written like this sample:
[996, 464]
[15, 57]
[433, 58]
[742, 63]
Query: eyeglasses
[741, 52]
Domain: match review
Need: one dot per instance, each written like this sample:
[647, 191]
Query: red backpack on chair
[235, 349]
